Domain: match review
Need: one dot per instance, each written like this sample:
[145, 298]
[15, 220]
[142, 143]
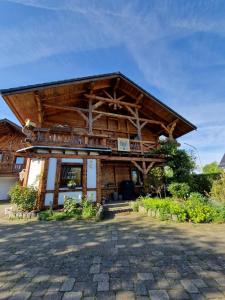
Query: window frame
[77, 165]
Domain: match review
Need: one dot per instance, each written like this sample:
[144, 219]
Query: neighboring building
[11, 139]
[88, 135]
[222, 163]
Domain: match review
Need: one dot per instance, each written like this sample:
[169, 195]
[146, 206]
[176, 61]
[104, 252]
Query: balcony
[10, 168]
[45, 137]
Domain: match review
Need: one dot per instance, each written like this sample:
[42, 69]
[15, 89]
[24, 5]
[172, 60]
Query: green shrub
[197, 209]
[218, 189]
[49, 215]
[179, 190]
[71, 207]
[23, 197]
[88, 209]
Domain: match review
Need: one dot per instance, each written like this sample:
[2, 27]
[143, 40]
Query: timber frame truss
[92, 113]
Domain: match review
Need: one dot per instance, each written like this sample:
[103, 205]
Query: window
[71, 176]
[19, 160]
[1, 156]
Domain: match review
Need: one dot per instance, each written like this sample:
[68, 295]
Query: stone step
[117, 207]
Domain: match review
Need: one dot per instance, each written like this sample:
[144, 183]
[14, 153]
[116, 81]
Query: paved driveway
[128, 257]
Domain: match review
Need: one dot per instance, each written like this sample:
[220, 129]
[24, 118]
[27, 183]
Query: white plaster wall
[5, 184]
[91, 173]
[77, 195]
[34, 172]
[51, 174]
[72, 160]
[48, 198]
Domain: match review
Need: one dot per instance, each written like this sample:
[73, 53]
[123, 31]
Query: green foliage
[202, 183]
[49, 215]
[23, 197]
[155, 182]
[88, 209]
[196, 208]
[71, 207]
[218, 189]
[179, 190]
[212, 168]
[134, 205]
[179, 161]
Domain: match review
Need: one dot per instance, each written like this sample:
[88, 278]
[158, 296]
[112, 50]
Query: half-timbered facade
[11, 139]
[90, 135]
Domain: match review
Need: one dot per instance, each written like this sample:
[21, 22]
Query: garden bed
[196, 209]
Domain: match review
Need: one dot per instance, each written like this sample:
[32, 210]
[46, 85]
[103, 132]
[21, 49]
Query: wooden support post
[90, 117]
[98, 181]
[57, 181]
[25, 180]
[42, 184]
[84, 178]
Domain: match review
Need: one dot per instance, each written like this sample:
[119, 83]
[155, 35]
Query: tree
[179, 161]
[211, 168]
[218, 188]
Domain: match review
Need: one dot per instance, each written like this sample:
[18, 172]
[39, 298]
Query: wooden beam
[90, 117]
[114, 101]
[139, 98]
[132, 122]
[97, 117]
[117, 83]
[107, 94]
[130, 110]
[137, 166]
[99, 103]
[40, 108]
[150, 166]
[69, 108]
[143, 124]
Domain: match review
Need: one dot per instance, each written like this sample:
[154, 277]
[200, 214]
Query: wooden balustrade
[10, 168]
[45, 137]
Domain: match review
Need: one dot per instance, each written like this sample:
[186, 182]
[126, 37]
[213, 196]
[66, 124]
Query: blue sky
[174, 49]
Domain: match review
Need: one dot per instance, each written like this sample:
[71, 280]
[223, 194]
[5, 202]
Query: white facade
[5, 184]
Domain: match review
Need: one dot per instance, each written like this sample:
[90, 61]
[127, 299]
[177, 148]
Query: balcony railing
[10, 168]
[45, 137]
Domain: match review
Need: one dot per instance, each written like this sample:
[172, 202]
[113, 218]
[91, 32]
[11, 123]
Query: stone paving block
[125, 295]
[105, 296]
[212, 293]
[95, 268]
[197, 297]
[53, 296]
[97, 260]
[145, 276]
[158, 295]
[101, 277]
[103, 286]
[67, 285]
[20, 296]
[140, 289]
[189, 286]
[220, 281]
[178, 294]
[199, 283]
[72, 296]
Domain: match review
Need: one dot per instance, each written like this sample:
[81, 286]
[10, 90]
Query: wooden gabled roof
[39, 102]
[9, 127]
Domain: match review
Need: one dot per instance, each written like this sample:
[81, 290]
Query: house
[11, 139]
[222, 163]
[90, 136]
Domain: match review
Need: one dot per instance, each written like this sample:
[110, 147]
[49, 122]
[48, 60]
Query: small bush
[179, 190]
[71, 207]
[23, 197]
[218, 189]
[88, 209]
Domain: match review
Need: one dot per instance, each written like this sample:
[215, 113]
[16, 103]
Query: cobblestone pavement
[128, 257]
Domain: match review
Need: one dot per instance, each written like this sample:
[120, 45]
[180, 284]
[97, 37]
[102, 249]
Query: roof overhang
[18, 97]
